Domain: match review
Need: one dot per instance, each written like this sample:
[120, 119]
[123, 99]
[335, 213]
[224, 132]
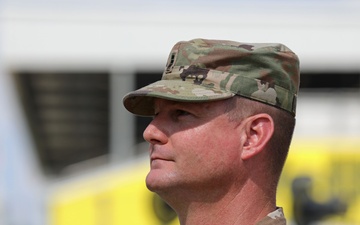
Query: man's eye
[180, 112]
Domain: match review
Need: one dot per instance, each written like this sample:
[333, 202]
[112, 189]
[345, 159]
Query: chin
[154, 181]
[158, 181]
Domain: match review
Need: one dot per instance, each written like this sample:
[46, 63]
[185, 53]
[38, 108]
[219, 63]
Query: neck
[239, 206]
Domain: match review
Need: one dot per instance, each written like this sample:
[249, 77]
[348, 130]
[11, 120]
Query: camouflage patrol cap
[205, 70]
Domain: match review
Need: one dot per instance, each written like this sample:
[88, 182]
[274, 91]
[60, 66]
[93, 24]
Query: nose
[154, 134]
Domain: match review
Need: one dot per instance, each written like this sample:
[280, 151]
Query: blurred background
[70, 153]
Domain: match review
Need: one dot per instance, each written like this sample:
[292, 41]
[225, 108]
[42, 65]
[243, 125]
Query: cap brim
[141, 101]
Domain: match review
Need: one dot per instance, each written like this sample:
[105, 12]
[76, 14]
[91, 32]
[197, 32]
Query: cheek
[210, 148]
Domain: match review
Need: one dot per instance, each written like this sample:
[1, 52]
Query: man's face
[193, 146]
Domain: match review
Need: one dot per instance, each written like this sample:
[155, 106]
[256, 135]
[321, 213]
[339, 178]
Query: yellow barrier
[333, 168]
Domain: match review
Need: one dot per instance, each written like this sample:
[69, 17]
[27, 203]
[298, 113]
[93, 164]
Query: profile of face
[193, 146]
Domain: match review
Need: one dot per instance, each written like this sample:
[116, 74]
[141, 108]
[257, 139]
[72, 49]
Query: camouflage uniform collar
[274, 218]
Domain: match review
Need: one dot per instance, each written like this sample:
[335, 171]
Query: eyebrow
[192, 105]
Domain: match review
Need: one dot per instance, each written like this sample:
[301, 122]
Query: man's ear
[258, 130]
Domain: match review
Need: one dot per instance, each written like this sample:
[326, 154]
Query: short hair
[239, 108]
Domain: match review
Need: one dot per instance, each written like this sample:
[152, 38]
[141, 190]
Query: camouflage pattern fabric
[274, 218]
[205, 70]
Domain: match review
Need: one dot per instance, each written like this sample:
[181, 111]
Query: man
[223, 119]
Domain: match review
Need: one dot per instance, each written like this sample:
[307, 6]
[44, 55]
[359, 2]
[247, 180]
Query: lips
[157, 153]
[152, 158]
[157, 162]
[159, 157]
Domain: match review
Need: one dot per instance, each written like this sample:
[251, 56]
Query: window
[329, 80]
[68, 114]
